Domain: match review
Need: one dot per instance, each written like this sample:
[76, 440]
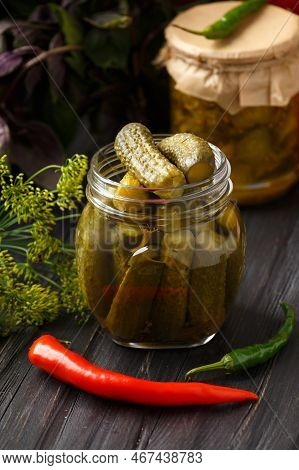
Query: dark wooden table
[37, 412]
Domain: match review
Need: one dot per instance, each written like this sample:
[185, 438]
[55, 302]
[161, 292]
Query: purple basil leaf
[42, 14]
[5, 25]
[34, 146]
[67, 3]
[4, 136]
[9, 61]
[27, 50]
[32, 78]
[27, 33]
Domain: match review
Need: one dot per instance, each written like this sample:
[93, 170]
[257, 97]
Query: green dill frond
[43, 245]
[30, 304]
[70, 293]
[23, 303]
[7, 263]
[69, 186]
[8, 269]
[25, 201]
[42, 281]
[27, 272]
[4, 169]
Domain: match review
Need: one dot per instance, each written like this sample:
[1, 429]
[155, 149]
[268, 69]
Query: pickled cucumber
[242, 173]
[121, 258]
[256, 148]
[169, 218]
[135, 147]
[95, 263]
[288, 125]
[134, 192]
[128, 319]
[228, 148]
[191, 154]
[254, 145]
[229, 219]
[235, 269]
[128, 239]
[252, 116]
[208, 283]
[170, 305]
[287, 151]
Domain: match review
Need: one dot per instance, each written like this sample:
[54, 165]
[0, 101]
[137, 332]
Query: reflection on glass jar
[261, 142]
[159, 273]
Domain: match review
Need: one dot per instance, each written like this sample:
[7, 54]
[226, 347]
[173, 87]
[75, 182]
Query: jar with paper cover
[240, 93]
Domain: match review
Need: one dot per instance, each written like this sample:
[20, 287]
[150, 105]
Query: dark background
[76, 101]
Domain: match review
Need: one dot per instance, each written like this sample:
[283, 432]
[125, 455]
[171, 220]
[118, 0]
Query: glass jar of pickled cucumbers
[159, 269]
[241, 94]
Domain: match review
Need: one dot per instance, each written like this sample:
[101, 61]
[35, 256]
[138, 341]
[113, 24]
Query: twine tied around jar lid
[257, 66]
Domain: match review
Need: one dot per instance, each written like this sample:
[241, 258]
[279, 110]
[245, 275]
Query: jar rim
[101, 188]
[223, 167]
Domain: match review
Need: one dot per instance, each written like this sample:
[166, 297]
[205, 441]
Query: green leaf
[109, 48]
[70, 27]
[73, 35]
[109, 20]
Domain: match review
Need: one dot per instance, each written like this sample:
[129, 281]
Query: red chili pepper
[48, 354]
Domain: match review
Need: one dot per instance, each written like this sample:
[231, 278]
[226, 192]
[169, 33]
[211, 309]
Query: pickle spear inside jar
[208, 283]
[128, 318]
[131, 189]
[170, 306]
[95, 260]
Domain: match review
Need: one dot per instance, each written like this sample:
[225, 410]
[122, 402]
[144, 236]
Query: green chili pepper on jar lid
[229, 22]
[250, 356]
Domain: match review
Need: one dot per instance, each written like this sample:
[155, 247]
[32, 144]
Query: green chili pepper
[250, 356]
[229, 22]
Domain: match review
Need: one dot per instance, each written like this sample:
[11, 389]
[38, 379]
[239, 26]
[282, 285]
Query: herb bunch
[38, 276]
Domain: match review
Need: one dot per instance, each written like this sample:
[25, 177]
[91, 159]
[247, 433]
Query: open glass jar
[240, 94]
[159, 273]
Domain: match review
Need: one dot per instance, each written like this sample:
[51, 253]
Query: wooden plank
[33, 399]
[37, 412]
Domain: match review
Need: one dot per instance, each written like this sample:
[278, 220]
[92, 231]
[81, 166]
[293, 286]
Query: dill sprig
[38, 275]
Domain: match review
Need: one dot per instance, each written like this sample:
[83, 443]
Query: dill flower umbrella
[38, 276]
